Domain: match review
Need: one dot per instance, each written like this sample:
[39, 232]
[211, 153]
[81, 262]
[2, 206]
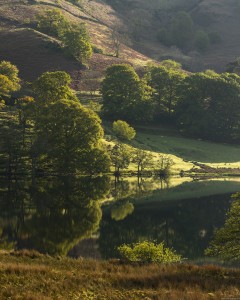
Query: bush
[123, 130]
[97, 49]
[148, 252]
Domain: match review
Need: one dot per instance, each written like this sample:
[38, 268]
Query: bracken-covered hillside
[34, 52]
[138, 23]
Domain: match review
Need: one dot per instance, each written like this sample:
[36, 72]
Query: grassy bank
[170, 142]
[193, 156]
[33, 276]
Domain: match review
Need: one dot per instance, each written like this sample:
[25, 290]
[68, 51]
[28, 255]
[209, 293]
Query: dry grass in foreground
[28, 275]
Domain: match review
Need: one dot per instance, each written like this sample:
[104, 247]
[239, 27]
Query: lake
[91, 217]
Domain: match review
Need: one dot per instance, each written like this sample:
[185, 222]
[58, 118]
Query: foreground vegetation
[28, 275]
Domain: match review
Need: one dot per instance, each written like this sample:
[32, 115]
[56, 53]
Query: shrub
[148, 252]
[98, 50]
[123, 130]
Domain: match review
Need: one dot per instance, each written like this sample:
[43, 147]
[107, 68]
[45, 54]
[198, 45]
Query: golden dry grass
[26, 276]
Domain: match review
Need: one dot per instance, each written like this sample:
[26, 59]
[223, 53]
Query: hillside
[213, 16]
[137, 23]
[34, 52]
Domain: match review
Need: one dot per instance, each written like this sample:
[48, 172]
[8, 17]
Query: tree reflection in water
[51, 215]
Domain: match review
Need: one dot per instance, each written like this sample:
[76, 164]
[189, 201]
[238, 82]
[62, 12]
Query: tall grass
[27, 276]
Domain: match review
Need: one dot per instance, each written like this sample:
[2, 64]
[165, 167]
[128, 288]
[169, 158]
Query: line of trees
[51, 131]
[203, 105]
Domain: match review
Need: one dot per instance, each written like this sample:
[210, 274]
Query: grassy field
[33, 276]
[169, 142]
[184, 152]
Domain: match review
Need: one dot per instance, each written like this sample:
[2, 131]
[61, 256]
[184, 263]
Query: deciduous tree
[226, 242]
[125, 96]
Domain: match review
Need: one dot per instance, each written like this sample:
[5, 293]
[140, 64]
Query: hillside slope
[137, 22]
[222, 17]
[34, 52]
[145, 18]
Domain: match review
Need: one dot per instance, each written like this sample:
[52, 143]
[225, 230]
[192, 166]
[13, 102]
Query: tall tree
[165, 80]
[70, 132]
[53, 86]
[67, 134]
[125, 96]
[77, 43]
[226, 242]
[120, 157]
[209, 106]
[142, 159]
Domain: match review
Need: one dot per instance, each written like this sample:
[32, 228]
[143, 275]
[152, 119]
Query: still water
[91, 217]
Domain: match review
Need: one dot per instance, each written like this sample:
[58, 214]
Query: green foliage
[53, 86]
[77, 43]
[165, 81]
[96, 49]
[148, 252]
[70, 133]
[179, 32]
[74, 37]
[54, 133]
[171, 64]
[125, 96]
[202, 41]
[120, 157]
[9, 80]
[234, 66]
[181, 29]
[209, 106]
[123, 130]
[164, 165]
[226, 243]
[10, 71]
[142, 159]
[52, 22]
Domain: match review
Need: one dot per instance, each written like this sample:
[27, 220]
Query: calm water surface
[91, 217]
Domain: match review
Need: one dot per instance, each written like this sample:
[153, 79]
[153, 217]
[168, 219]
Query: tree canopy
[165, 81]
[125, 96]
[9, 80]
[123, 130]
[53, 86]
[226, 242]
[70, 132]
[209, 106]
